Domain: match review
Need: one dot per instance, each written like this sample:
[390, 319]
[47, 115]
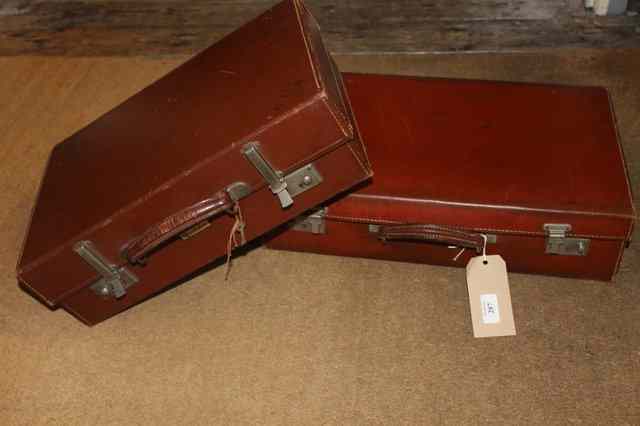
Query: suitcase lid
[272, 73]
[489, 155]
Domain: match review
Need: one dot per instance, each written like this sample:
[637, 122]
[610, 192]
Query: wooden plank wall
[167, 27]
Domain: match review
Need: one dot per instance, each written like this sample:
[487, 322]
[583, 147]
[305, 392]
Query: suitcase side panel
[522, 253]
[63, 272]
[340, 170]
[243, 83]
[473, 155]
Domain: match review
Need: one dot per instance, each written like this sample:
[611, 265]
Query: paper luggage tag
[489, 297]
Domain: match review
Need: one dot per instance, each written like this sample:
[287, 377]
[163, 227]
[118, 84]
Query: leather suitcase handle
[432, 233]
[136, 250]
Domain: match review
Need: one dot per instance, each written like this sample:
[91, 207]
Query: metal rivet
[104, 290]
[307, 180]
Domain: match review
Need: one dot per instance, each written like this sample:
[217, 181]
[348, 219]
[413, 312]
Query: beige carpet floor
[306, 339]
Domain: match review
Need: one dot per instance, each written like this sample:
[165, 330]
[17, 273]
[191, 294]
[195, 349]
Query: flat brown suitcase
[245, 136]
[537, 168]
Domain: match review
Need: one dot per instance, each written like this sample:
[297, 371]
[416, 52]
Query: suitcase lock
[313, 223]
[557, 241]
[284, 186]
[114, 280]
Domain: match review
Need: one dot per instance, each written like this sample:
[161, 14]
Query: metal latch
[114, 280]
[313, 223]
[285, 187]
[558, 243]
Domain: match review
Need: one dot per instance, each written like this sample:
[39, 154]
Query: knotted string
[232, 242]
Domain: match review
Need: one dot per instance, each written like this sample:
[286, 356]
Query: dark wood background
[168, 27]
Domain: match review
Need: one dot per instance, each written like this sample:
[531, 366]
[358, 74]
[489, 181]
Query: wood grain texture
[169, 27]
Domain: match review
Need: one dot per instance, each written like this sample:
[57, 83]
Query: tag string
[237, 228]
[484, 249]
[459, 253]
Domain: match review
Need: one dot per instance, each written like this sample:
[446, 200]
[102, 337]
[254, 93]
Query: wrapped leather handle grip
[136, 250]
[432, 233]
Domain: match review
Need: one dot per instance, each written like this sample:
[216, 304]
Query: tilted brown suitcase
[258, 121]
[537, 168]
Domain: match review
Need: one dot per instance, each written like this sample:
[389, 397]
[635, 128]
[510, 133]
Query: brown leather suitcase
[246, 135]
[536, 168]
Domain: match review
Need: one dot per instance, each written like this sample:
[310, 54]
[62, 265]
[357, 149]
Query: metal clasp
[557, 241]
[274, 177]
[285, 187]
[114, 280]
[313, 223]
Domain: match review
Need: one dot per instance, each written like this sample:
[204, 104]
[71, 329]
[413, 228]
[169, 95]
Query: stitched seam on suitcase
[364, 169]
[621, 251]
[491, 206]
[332, 111]
[21, 270]
[356, 130]
[314, 65]
[628, 183]
[621, 153]
[33, 210]
[297, 6]
[342, 120]
[337, 79]
[618, 260]
[477, 229]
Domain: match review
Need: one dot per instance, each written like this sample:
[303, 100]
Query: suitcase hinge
[558, 243]
[313, 223]
[114, 280]
[285, 187]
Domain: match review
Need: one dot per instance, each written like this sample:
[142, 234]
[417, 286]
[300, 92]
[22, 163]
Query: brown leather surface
[257, 77]
[191, 189]
[179, 141]
[534, 146]
[483, 157]
[431, 233]
[139, 247]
